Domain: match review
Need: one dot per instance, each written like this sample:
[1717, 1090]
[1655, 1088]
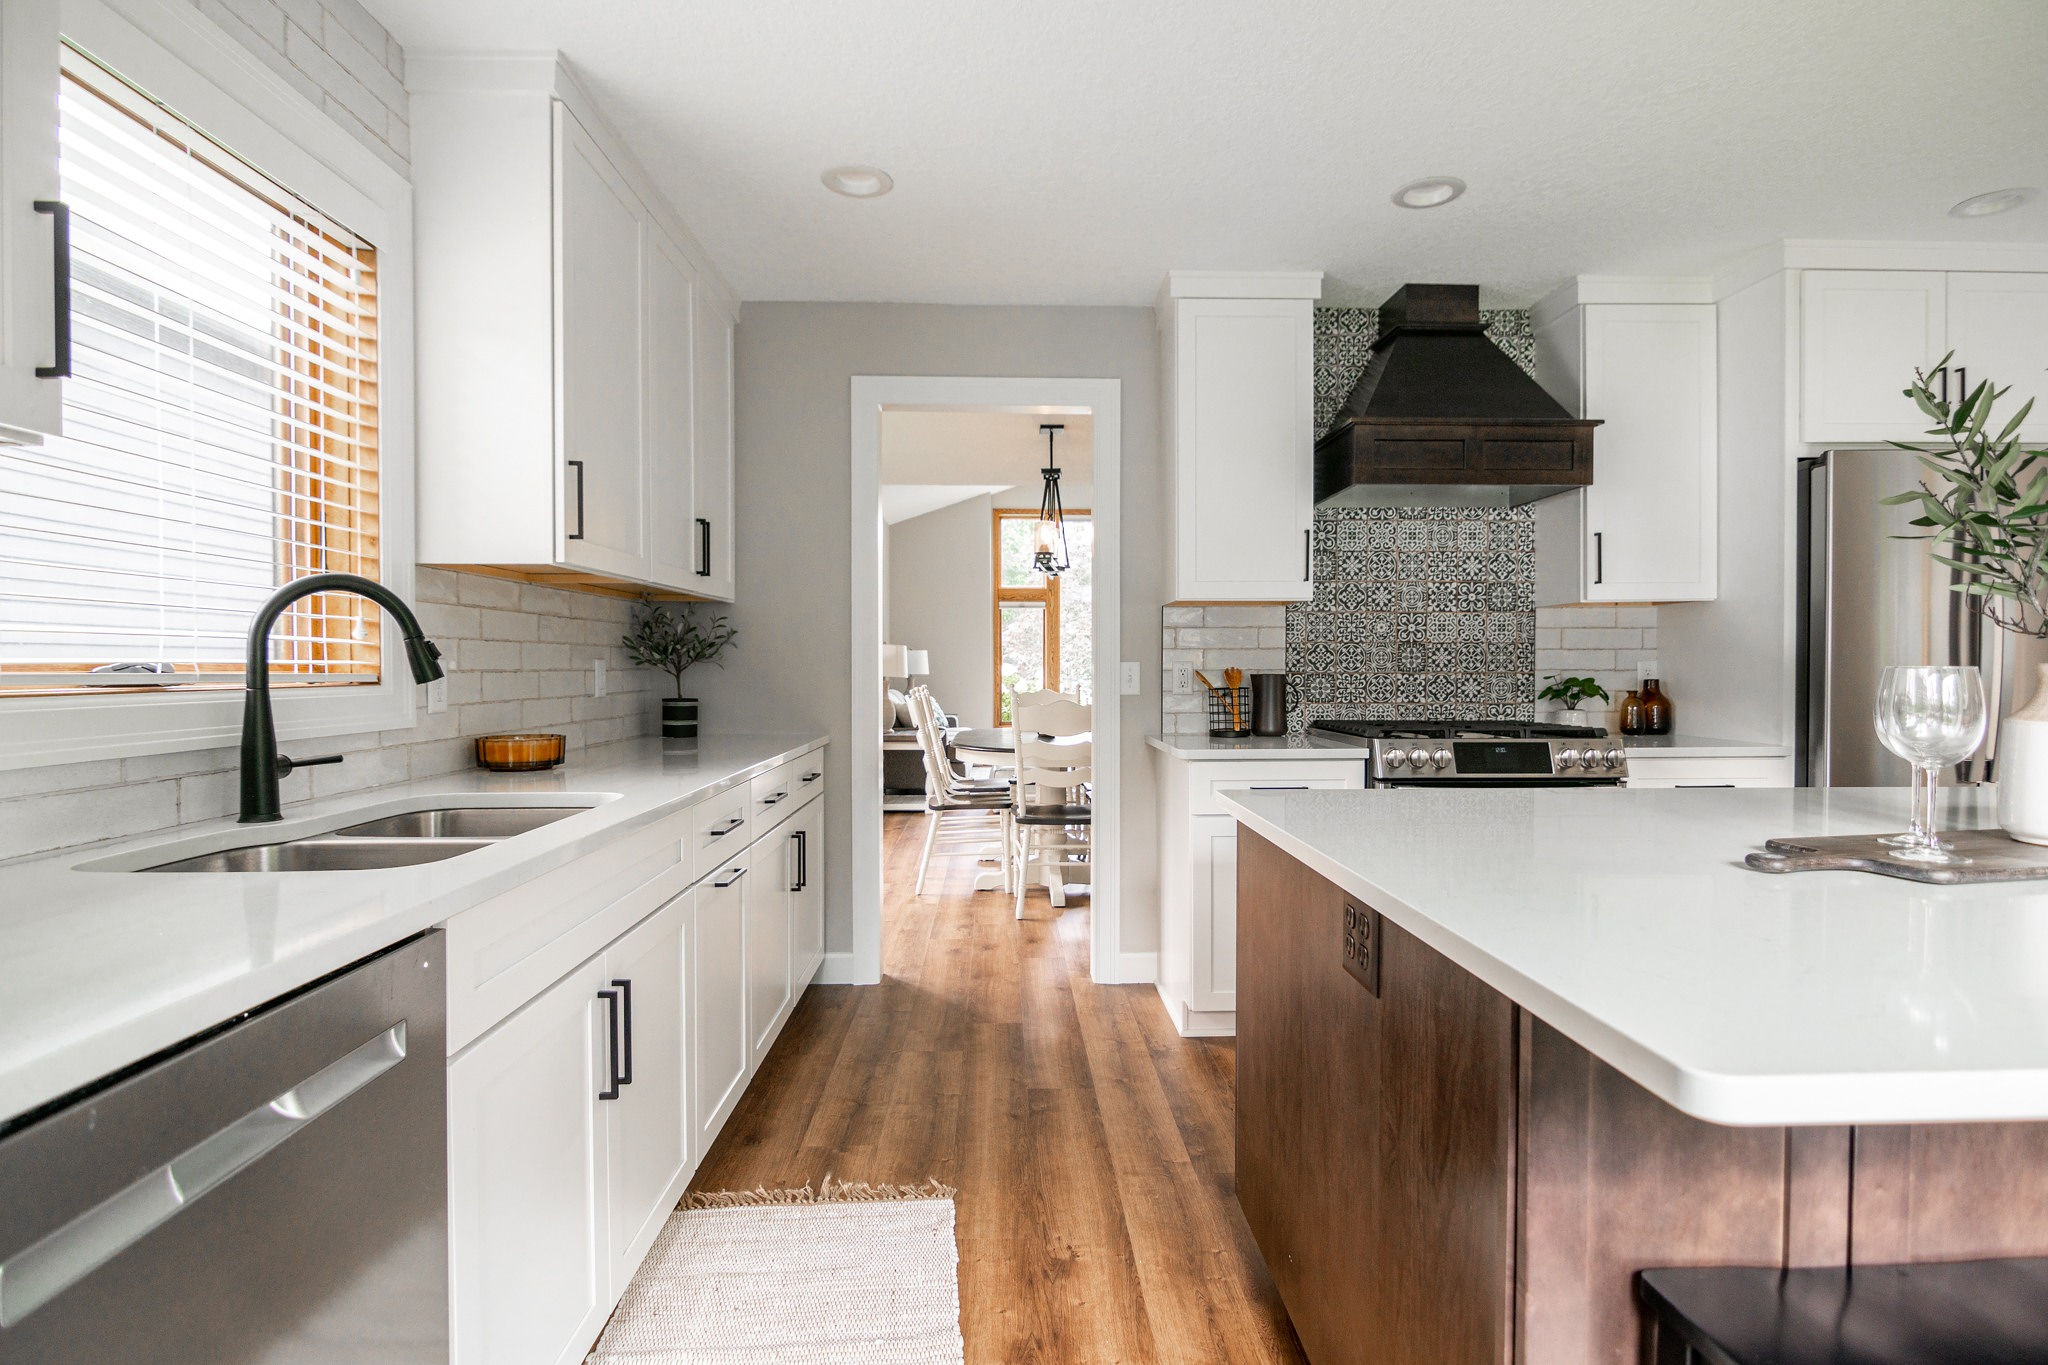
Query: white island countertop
[101, 969]
[1627, 921]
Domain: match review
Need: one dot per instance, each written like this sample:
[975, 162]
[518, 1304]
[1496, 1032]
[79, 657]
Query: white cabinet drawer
[720, 826]
[1207, 779]
[774, 795]
[1648, 770]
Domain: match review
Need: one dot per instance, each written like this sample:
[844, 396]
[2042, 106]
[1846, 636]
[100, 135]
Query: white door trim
[1103, 398]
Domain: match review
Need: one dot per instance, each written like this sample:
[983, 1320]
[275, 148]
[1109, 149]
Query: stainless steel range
[1486, 753]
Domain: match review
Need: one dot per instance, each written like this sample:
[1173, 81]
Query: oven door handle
[46, 1268]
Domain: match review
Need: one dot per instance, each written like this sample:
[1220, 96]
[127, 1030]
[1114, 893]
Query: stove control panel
[1482, 759]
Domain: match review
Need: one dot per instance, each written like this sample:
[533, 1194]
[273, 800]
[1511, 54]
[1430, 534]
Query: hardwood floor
[1092, 1147]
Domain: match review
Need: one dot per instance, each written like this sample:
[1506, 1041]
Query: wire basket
[1230, 712]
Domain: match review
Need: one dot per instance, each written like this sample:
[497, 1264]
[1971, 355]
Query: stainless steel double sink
[406, 839]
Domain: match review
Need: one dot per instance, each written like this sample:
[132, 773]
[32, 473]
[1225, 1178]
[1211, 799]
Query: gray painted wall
[796, 362]
[939, 579]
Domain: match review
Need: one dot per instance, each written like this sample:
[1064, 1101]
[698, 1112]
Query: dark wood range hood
[1442, 415]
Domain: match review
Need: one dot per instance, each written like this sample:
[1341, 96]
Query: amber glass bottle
[1632, 713]
[1656, 709]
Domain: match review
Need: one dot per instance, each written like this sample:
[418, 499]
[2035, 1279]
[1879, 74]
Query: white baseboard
[838, 971]
[1137, 968]
[1198, 1023]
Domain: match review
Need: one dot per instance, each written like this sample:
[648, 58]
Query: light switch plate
[597, 677]
[1127, 679]
[437, 696]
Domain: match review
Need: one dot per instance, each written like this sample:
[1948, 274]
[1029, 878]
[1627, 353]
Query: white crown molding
[1581, 290]
[1242, 284]
[1737, 274]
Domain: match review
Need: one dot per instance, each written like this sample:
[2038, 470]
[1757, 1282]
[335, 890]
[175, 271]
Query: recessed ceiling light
[858, 182]
[1429, 193]
[1998, 201]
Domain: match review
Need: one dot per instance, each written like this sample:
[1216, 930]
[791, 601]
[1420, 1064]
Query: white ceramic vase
[2023, 767]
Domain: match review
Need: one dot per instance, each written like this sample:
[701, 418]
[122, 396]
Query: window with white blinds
[220, 424]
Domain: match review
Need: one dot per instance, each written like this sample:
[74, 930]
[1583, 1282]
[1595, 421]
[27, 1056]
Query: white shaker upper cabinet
[712, 544]
[598, 270]
[1239, 374]
[1862, 335]
[1998, 329]
[671, 324]
[30, 397]
[568, 393]
[1646, 529]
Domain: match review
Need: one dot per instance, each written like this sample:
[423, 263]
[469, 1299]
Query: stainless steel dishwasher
[275, 1190]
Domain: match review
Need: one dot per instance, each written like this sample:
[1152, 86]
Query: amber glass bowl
[519, 753]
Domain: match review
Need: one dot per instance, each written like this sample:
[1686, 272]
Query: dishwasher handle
[45, 1268]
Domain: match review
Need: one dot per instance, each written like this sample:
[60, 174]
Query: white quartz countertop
[101, 969]
[1701, 746]
[1202, 748]
[1627, 921]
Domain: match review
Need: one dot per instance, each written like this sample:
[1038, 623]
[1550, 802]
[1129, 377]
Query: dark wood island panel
[1435, 1175]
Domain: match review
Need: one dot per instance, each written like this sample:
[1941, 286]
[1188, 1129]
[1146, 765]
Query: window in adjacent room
[221, 424]
[1044, 626]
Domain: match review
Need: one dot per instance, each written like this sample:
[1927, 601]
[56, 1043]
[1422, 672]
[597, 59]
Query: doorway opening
[951, 601]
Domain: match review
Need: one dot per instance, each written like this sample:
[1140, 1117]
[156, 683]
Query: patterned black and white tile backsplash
[1418, 611]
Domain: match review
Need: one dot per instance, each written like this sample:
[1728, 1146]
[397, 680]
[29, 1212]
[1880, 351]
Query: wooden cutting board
[1994, 855]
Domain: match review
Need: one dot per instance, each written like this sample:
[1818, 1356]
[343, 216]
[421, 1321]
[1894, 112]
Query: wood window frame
[1047, 597]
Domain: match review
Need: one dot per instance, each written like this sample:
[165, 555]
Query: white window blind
[220, 422]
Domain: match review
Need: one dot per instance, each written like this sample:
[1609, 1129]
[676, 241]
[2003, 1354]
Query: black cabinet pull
[611, 1057]
[1942, 375]
[737, 873]
[812, 777]
[60, 286]
[1599, 559]
[1962, 383]
[576, 534]
[803, 871]
[625, 986]
[703, 547]
[1308, 551]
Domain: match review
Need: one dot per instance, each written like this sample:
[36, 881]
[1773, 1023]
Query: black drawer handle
[625, 986]
[812, 777]
[737, 873]
[611, 1004]
[60, 286]
[727, 828]
[774, 798]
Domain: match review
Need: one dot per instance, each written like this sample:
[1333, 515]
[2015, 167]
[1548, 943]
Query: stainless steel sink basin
[460, 822]
[326, 853]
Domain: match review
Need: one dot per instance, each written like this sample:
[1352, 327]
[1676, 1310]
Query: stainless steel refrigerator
[1870, 594]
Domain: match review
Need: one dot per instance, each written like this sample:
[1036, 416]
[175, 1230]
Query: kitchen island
[1489, 1066]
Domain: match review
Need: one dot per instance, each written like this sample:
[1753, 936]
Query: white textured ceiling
[1071, 151]
[991, 450]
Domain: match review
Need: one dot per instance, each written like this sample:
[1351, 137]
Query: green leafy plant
[1987, 500]
[675, 642]
[1571, 691]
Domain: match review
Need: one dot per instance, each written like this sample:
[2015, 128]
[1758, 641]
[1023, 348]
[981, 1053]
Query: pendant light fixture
[1050, 539]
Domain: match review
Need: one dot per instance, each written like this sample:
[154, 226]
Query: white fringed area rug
[864, 1273]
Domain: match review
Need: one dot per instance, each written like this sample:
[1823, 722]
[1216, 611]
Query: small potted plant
[1567, 693]
[674, 642]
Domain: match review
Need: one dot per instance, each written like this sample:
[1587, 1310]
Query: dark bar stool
[1932, 1313]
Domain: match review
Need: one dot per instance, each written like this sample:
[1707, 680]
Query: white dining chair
[1053, 814]
[963, 819]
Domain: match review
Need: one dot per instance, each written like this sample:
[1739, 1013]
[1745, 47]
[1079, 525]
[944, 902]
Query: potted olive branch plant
[1986, 506]
[675, 642]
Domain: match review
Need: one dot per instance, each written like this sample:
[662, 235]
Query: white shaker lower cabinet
[1198, 876]
[577, 1115]
[647, 1128]
[719, 1055]
[805, 833]
[528, 1204]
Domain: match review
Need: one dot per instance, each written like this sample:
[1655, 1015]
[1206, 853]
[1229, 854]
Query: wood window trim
[1047, 597]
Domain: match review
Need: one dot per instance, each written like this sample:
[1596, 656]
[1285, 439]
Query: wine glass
[1930, 716]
